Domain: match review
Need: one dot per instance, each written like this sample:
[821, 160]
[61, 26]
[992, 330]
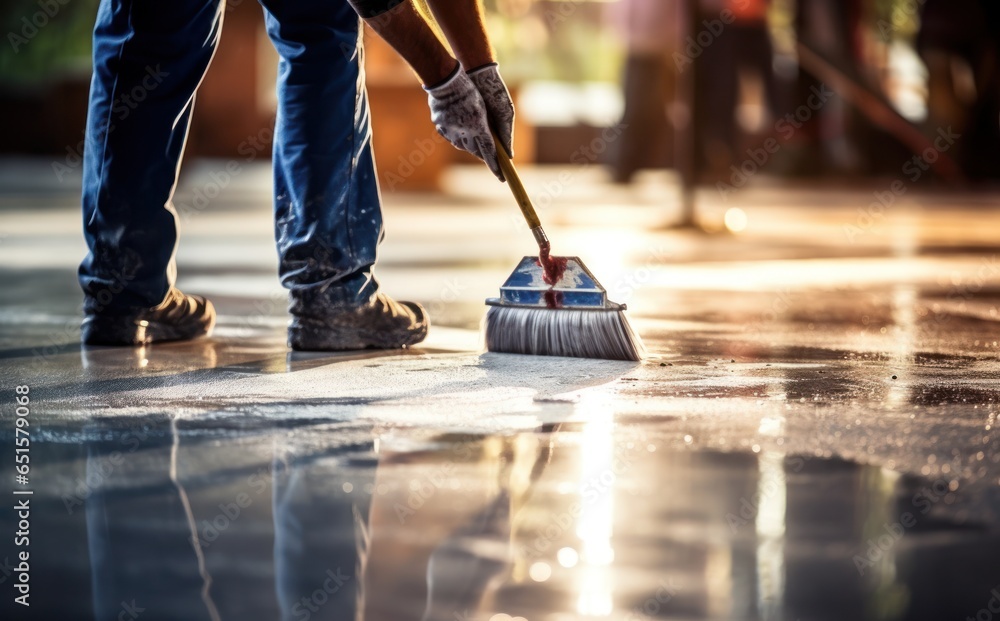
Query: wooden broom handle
[516, 187]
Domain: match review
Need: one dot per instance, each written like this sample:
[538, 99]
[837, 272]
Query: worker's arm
[458, 110]
[463, 26]
[408, 33]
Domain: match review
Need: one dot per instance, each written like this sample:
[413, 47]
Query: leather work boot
[383, 323]
[178, 317]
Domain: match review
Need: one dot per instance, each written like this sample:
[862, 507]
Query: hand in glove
[459, 114]
[498, 104]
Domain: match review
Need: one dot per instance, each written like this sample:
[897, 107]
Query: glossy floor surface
[813, 437]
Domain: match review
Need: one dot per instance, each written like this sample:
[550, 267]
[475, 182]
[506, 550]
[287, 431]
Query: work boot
[383, 323]
[178, 317]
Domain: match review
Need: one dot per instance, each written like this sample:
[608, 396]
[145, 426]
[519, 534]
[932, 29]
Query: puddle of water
[150, 518]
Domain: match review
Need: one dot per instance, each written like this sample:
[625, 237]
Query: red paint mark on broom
[553, 269]
[553, 299]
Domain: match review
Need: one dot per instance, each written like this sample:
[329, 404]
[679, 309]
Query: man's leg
[149, 58]
[328, 217]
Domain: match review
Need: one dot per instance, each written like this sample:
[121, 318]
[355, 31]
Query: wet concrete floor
[813, 436]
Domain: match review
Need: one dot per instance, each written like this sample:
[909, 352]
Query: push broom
[554, 306]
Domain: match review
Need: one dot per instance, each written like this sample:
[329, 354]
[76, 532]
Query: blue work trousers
[149, 58]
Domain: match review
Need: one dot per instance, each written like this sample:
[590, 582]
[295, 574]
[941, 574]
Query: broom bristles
[603, 334]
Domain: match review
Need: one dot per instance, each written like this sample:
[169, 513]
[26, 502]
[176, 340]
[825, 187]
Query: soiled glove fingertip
[493, 163]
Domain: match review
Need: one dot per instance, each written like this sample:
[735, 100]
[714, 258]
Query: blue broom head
[572, 316]
[576, 288]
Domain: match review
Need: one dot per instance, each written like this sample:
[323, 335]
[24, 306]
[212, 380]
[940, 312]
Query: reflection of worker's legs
[144, 552]
[320, 533]
[148, 60]
[327, 208]
[459, 576]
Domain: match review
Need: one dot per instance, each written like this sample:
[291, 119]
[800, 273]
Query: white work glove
[459, 114]
[498, 104]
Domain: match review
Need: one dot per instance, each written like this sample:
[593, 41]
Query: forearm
[464, 105]
[407, 32]
[462, 24]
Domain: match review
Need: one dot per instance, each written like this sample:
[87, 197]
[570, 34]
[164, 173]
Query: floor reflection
[590, 518]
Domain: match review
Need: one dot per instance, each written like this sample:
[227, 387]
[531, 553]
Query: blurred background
[827, 325]
[717, 89]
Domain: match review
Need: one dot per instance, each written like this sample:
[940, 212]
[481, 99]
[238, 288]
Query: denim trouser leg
[328, 218]
[148, 60]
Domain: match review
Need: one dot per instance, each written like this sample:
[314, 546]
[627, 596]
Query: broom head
[571, 317]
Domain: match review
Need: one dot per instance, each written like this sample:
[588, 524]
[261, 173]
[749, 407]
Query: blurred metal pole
[685, 127]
